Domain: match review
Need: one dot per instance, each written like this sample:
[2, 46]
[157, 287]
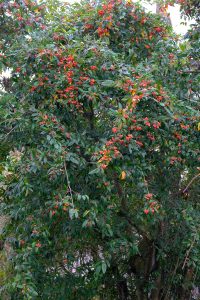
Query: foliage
[189, 8]
[99, 130]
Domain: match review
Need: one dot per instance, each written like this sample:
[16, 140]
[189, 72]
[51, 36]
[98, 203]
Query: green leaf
[73, 213]
[108, 83]
[104, 267]
[95, 171]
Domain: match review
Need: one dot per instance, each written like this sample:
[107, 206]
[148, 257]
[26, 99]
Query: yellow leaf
[199, 126]
[123, 175]
[143, 34]
[133, 92]
[36, 11]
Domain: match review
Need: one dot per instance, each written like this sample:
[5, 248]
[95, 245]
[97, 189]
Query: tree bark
[122, 290]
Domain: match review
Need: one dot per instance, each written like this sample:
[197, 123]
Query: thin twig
[68, 183]
[190, 71]
[195, 177]
[9, 133]
[188, 253]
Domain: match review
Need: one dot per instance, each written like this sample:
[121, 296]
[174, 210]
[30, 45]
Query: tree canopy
[99, 152]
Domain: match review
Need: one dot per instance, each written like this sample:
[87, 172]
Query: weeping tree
[100, 152]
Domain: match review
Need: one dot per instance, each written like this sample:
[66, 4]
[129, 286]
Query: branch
[189, 184]
[124, 209]
[190, 71]
[68, 183]
[172, 278]
[188, 253]
[9, 133]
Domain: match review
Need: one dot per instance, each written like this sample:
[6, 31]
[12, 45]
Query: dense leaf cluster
[100, 148]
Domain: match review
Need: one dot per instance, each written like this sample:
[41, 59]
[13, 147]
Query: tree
[100, 153]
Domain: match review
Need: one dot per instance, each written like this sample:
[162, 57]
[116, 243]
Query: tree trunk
[141, 295]
[155, 295]
[122, 289]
